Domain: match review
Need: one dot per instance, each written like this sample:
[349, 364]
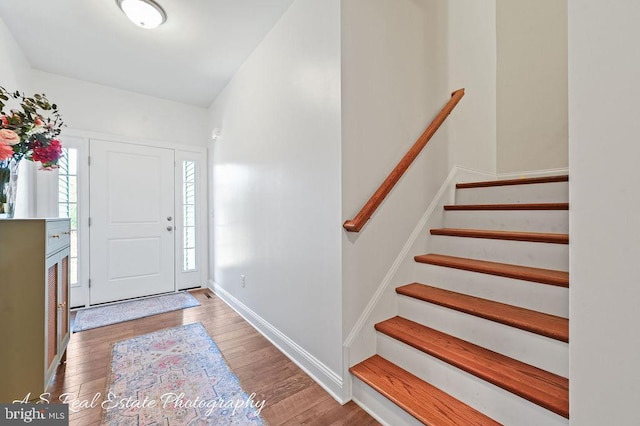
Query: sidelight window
[68, 202]
[189, 215]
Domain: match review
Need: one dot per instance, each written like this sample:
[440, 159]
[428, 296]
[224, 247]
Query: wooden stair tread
[540, 323]
[511, 206]
[422, 400]
[506, 182]
[536, 385]
[535, 237]
[526, 273]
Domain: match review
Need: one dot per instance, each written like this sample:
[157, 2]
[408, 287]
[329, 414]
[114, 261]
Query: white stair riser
[555, 192]
[539, 351]
[545, 298]
[383, 410]
[555, 221]
[495, 402]
[525, 253]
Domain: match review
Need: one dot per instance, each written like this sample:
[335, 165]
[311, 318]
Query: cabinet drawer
[58, 235]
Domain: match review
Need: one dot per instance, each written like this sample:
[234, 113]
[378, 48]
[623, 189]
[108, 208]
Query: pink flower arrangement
[30, 131]
[6, 152]
[47, 155]
[9, 137]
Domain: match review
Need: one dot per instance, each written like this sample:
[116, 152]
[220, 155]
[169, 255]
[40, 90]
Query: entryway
[141, 219]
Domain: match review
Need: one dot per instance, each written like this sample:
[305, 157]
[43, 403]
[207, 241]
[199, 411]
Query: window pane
[190, 259]
[63, 210]
[73, 189]
[189, 193]
[189, 171]
[63, 188]
[189, 237]
[73, 214]
[63, 162]
[189, 215]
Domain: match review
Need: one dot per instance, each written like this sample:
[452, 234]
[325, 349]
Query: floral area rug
[126, 311]
[175, 377]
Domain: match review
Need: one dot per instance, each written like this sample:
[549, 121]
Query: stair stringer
[361, 342]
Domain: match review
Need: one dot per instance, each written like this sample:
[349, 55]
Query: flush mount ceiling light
[144, 13]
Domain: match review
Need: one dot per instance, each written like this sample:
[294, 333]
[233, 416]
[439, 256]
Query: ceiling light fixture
[144, 13]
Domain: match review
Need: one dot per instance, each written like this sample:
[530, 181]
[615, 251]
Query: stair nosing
[507, 206]
[487, 309]
[485, 364]
[511, 182]
[533, 237]
[438, 396]
[525, 273]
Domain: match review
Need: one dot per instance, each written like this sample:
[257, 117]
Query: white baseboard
[323, 375]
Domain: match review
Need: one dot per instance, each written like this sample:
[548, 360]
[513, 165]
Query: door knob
[169, 228]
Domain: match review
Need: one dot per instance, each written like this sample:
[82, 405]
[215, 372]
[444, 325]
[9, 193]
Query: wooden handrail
[363, 216]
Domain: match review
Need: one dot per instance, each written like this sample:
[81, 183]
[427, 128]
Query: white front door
[132, 221]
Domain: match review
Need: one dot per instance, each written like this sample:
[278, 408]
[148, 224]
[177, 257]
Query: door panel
[132, 206]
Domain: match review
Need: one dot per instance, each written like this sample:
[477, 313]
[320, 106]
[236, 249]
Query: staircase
[481, 337]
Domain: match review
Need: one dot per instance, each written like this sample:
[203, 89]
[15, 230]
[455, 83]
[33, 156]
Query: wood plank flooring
[292, 397]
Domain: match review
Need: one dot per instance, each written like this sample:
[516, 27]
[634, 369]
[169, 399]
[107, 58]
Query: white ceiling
[189, 59]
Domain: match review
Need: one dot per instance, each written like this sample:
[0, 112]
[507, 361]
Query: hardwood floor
[292, 397]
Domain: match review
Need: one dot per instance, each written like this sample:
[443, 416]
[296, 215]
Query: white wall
[98, 110]
[472, 65]
[106, 110]
[532, 122]
[393, 85]
[276, 182]
[15, 69]
[604, 68]
[15, 74]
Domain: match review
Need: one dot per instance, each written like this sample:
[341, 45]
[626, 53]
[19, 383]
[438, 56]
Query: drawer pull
[54, 236]
[66, 233]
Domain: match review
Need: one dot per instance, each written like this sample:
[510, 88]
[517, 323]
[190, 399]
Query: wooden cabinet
[34, 304]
